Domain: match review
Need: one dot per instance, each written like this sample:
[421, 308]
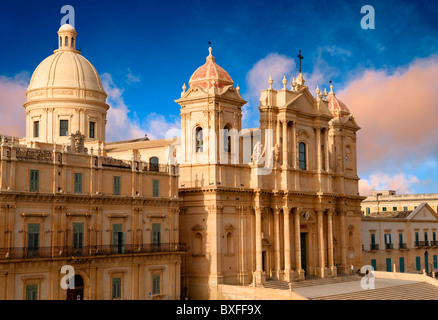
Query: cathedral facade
[218, 205]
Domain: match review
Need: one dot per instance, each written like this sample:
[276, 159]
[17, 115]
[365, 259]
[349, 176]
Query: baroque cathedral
[179, 217]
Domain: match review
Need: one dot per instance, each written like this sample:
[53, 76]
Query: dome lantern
[67, 38]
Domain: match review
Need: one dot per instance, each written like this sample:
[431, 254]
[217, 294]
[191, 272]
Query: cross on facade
[300, 57]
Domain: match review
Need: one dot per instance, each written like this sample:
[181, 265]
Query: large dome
[66, 69]
[210, 74]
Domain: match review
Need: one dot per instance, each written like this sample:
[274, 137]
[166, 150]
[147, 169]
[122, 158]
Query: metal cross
[300, 57]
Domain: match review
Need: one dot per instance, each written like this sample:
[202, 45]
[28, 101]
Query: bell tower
[211, 119]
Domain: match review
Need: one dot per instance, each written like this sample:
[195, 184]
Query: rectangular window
[78, 183]
[417, 239]
[34, 180]
[405, 208]
[116, 185]
[118, 241]
[368, 211]
[156, 286]
[425, 238]
[374, 264]
[418, 263]
[394, 208]
[117, 288]
[155, 188]
[400, 240]
[36, 129]
[32, 292]
[388, 264]
[63, 128]
[434, 238]
[383, 208]
[92, 127]
[156, 236]
[435, 261]
[78, 237]
[33, 239]
[402, 264]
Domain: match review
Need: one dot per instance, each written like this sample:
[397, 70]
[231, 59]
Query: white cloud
[400, 182]
[12, 97]
[131, 78]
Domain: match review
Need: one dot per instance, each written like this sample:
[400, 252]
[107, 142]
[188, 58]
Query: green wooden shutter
[400, 240]
[34, 180]
[155, 188]
[388, 264]
[418, 263]
[118, 242]
[156, 284]
[426, 262]
[78, 236]
[156, 236]
[435, 261]
[116, 185]
[78, 183]
[32, 292]
[33, 239]
[374, 264]
[402, 264]
[417, 242]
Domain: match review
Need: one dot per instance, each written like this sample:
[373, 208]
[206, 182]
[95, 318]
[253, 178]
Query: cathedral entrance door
[303, 251]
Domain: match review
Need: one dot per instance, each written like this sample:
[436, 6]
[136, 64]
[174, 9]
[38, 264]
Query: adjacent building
[404, 240]
[389, 200]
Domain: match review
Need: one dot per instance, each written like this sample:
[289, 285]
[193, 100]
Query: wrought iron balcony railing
[374, 246]
[88, 251]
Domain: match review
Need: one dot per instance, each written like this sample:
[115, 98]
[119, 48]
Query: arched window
[153, 164]
[72, 42]
[199, 139]
[227, 139]
[66, 41]
[60, 42]
[302, 156]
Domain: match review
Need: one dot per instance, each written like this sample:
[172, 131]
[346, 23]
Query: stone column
[321, 250]
[259, 275]
[294, 145]
[287, 265]
[277, 242]
[330, 241]
[343, 243]
[318, 148]
[297, 243]
[285, 143]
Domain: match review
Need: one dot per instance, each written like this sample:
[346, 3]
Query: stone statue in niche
[256, 153]
[276, 154]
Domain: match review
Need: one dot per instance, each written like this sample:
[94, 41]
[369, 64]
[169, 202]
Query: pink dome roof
[336, 106]
[210, 73]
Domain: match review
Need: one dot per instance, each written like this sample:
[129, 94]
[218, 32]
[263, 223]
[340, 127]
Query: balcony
[374, 246]
[88, 251]
[402, 246]
[389, 246]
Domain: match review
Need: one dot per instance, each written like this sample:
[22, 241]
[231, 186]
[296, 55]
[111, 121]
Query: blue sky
[146, 50]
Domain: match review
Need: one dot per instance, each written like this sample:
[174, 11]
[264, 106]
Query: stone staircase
[310, 281]
[414, 291]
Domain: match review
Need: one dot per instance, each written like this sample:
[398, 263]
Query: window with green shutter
[388, 264]
[405, 208]
[156, 286]
[116, 185]
[33, 239]
[32, 292]
[118, 241]
[117, 288]
[78, 237]
[425, 238]
[384, 209]
[155, 188]
[435, 261]
[417, 239]
[402, 264]
[78, 183]
[394, 208]
[418, 263]
[374, 264]
[34, 180]
[368, 211]
[434, 238]
[156, 236]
